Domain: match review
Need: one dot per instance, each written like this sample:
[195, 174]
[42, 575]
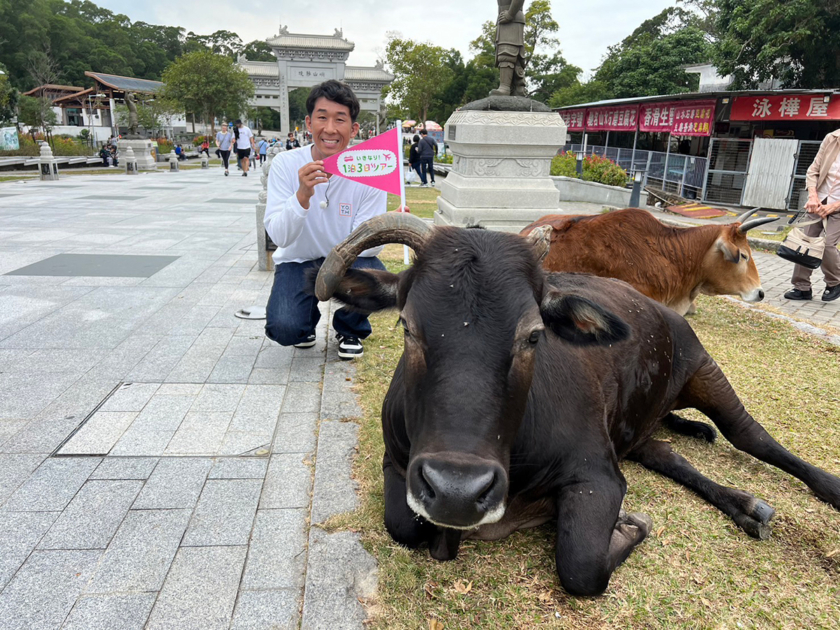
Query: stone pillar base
[501, 170]
[142, 152]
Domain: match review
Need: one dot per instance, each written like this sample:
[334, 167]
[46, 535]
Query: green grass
[697, 569]
[421, 201]
[17, 178]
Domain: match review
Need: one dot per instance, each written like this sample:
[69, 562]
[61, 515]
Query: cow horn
[540, 239]
[746, 215]
[749, 225]
[393, 227]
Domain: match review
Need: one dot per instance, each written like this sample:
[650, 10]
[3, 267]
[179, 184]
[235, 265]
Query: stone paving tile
[335, 490]
[108, 612]
[309, 370]
[200, 590]
[160, 360]
[302, 398]
[19, 533]
[45, 588]
[93, 516]
[131, 397]
[141, 552]
[287, 483]
[53, 485]
[14, 470]
[232, 369]
[224, 514]
[239, 468]
[163, 413]
[257, 610]
[218, 398]
[125, 468]
[244, 443]
[142, 443]
[175, 483]
[99, 434]
[277, 554]
[267, 376]
[275, 358]
[295, 433]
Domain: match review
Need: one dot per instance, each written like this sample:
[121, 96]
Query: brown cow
[672, 265]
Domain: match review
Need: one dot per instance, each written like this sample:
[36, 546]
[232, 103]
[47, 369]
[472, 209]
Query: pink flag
[376, 162]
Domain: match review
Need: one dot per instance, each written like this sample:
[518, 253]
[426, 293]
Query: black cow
[519, 391]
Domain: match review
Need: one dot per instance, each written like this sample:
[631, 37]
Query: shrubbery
[595, 169]
[61, 145]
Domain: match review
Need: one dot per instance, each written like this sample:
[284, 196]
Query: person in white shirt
[823, 207]
[244, 145]
[308, 212]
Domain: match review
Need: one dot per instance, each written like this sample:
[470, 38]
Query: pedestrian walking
[244, 145]
[262, 145]
[427, 149]
[414, 158]
[224, 140]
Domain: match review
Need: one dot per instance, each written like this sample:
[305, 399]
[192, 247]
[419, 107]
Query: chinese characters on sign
[573, 119]
[621, 118]
[311, 74]
[680, 118]
[787, 107]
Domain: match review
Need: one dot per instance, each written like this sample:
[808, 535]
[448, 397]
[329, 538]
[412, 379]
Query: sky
[586, 28]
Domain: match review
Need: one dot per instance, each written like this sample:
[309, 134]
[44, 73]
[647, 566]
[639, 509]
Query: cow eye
[406, 331]
[535, 336]
[744, 256]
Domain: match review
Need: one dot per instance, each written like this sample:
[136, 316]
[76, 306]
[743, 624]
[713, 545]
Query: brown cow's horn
[540, 239]
[749, 225]
[746, 215]
[393, 227]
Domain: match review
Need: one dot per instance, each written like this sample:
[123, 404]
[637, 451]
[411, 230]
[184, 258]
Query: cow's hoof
[756, 519]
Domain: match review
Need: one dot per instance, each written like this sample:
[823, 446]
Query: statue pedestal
[500, 176]
[142, 152]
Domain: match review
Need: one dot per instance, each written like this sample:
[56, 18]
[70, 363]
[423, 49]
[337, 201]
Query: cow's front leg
[594, 535]
[405, 527]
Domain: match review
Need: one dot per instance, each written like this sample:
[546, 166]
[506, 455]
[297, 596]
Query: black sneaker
[796, 294]
[831, 293]
[349, 347]
[307, 343]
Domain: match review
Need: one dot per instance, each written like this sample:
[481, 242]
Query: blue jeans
[428, 166]
[292, 312]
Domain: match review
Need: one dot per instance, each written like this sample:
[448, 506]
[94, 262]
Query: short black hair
[423, 132]
[416, 138]
[336, 92]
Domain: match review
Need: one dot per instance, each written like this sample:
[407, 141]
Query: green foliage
[61, 146]
[267, 118]
[297, 108]
[208, 84]
[8, 97]
[419, 73]
[595, 169]
[152, 115]
[258, 50]
[795, 42]
[36, 112]
[440, 158]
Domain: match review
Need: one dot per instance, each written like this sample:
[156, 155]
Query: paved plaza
[157, 454]
[161, 461]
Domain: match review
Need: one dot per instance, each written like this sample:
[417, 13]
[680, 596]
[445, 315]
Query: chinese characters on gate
[790, 107]
[311, 74]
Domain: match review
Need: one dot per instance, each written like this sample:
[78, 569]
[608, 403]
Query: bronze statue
[510, 49]
[132, 114]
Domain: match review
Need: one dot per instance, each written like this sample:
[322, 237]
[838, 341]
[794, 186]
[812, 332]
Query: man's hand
[813, 204]
[310, 176]
[403, 209]
[505, 17]
[826, 210]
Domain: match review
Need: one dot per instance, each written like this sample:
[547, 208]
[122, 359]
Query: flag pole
[400, 158]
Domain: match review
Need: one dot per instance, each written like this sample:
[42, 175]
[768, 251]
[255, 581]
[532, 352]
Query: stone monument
[142, 147]
[265, 248]
[130, 161]
[48, 165]
[173, 162]
[502, 146]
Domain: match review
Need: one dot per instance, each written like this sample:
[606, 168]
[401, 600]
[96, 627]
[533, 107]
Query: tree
[258, 50]
[36, 112]
[795, 42]
[208, 84]
[419, 72]
[152, 115]
[221, 42]
[8, 97]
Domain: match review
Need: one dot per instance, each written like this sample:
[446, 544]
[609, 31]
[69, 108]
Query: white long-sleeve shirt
[301, 234]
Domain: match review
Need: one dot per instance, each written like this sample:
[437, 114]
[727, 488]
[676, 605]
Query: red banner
[573, 118]
[694, 118]
[785, 107]
[621, 118]
[680, 118]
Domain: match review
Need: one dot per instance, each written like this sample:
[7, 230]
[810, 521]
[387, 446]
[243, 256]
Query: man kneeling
[307, 213]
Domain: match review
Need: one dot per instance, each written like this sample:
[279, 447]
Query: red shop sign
[573, 119]
[785, 107]
[621, 118]
[657, 117]
[694, 118]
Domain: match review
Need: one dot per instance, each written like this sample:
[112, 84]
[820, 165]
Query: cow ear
[730, 251]
[364, 290]
[581, 321]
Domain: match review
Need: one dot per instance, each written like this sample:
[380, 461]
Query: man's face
[331, 127]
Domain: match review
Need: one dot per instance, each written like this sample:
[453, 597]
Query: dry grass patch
[697, 569]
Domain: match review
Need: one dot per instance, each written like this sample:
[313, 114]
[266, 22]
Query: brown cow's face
[729, 268]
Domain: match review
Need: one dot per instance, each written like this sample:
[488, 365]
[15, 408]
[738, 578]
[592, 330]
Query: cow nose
[760, 294]
[458, 493]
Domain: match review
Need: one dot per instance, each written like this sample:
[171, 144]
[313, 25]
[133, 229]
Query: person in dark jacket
[427, 149]
[414, 158]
